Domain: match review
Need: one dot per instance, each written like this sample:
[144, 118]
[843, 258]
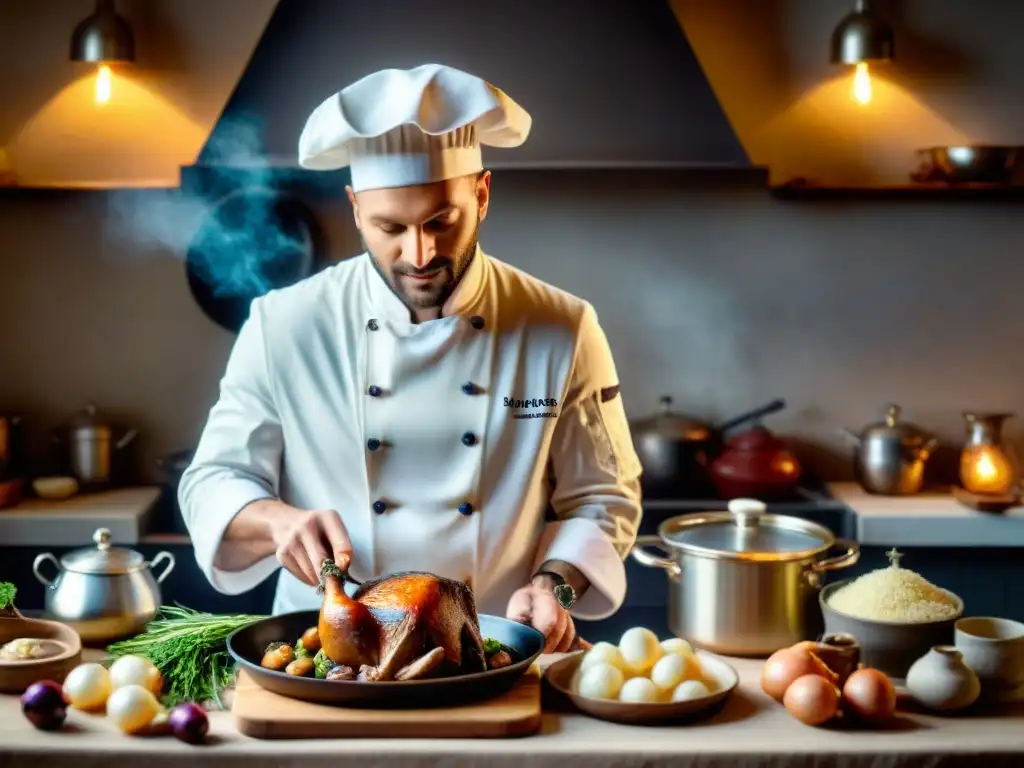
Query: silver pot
[743, 582]
[105, 592]
[92, 446]
[890, 456]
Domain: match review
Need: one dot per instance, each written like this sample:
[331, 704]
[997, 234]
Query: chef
[423, 405]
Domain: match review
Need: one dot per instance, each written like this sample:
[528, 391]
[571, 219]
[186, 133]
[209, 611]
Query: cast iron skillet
[247, 645]
[254, 240]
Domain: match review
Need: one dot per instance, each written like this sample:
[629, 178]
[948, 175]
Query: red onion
[44, 705]
[189, 723]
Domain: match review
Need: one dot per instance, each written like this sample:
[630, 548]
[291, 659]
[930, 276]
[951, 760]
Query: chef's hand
[305, 538]
[537, 606]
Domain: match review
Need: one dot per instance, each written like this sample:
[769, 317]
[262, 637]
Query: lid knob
[892, 415]
[102, 538]
[745, 512]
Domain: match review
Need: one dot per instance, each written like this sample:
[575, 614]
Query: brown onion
[869, 695]
[785, 666]
[812, 700]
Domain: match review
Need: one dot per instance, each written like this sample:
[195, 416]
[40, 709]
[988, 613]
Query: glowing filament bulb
[103, 84]
[862, 84]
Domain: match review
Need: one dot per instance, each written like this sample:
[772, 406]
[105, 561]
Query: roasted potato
[499, 660]
[278, 656]
[310, 641]
[301, 667]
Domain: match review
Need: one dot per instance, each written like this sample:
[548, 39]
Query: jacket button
[372, 325]
[373, 443]
[469, 388]
[466, 509]
[469, 439]
[379, 507]
[374, 390]
[477, 322]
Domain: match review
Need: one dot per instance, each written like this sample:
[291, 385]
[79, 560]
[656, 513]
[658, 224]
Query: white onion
[677, 645]
[132, 708]
[640, 648]
[688, 690]
[603, 653]
[136, 670]
[638, 690]
[87, 686]
[600, 681]
[672, 669]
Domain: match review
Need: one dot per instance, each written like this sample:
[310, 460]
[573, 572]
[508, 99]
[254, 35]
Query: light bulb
[862, 84]
[103, 78]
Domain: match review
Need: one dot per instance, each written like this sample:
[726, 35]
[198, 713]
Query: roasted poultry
[405, 626]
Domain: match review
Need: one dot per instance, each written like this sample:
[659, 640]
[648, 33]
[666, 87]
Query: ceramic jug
[940, 680]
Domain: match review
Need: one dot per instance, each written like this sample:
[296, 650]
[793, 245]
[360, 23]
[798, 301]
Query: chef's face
[423, 237]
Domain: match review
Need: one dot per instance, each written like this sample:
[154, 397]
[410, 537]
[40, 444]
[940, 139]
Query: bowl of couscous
[896, 615]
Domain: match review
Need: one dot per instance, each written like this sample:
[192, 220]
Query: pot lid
[102, 558]
[746, 532]
[891, 428]
[89, 421]
[672, 424]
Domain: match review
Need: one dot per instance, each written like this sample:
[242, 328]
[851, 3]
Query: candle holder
[989, 472]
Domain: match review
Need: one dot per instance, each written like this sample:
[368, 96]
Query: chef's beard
[440, 289]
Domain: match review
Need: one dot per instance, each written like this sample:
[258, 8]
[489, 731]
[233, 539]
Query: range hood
[609, 83]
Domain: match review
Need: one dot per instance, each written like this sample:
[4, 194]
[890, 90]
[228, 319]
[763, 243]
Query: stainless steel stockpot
[743, 582]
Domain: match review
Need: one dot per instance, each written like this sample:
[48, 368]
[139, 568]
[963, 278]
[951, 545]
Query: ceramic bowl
[889, 646]
[561, 674]
[16, 676]
[994, 649]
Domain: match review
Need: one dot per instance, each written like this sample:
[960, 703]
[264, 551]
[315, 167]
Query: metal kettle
[890, 456]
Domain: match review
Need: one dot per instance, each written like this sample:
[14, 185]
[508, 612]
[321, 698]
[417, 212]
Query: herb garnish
[190, 649]
[7, 593]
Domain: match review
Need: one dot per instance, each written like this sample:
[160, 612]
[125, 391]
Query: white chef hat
[397, 127]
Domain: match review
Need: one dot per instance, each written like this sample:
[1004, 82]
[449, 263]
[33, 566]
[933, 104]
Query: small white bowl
[55, 488]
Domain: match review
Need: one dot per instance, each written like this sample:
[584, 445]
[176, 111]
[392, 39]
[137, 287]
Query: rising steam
[239, 248]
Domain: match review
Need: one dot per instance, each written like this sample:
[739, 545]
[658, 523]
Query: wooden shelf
[910, 192]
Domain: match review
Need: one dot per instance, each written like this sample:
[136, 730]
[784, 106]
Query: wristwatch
[564, 592]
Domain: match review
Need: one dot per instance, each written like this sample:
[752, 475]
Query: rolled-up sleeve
[596, 471]
[237, 460]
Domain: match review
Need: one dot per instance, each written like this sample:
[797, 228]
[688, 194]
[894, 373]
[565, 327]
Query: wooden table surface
[751, 731]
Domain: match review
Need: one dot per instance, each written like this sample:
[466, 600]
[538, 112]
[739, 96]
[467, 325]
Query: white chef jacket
[475, 446]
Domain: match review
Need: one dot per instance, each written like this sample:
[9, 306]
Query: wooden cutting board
[262, 714]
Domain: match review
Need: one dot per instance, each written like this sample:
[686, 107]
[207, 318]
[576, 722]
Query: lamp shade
[862, 36]
[103, 36]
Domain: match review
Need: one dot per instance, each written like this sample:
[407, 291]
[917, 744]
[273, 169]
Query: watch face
[565, 595]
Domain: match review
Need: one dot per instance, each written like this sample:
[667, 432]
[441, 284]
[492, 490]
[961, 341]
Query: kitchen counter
[927, 519]
[751, 731]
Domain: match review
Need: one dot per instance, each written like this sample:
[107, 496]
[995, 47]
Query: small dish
[55, 488]
[16, 676]
[560, 674]
[994, 649]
